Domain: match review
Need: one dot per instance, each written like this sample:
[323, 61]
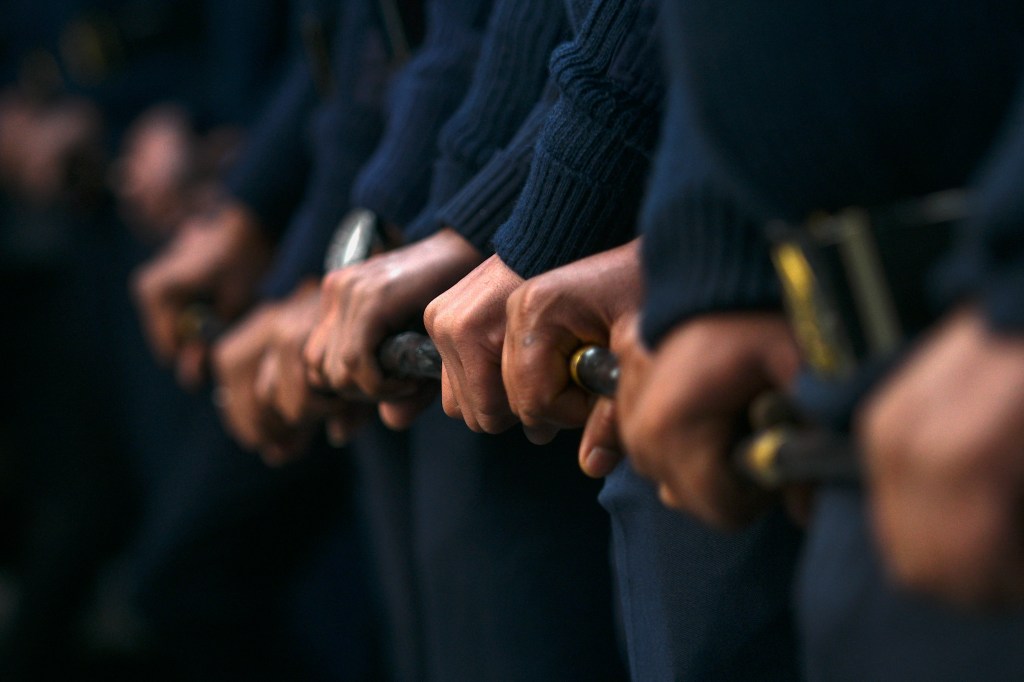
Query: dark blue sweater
[396, 181]
[590, 163]
[340, 134]
[813, 106]
[300, 161]
[507, 82]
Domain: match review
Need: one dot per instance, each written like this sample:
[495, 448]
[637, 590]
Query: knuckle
[431, 312]
[335, 281]
[531, 299]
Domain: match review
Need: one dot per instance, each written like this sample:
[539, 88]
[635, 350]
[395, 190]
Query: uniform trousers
[698, 604]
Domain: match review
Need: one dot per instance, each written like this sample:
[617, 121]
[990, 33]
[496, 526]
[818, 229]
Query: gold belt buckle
[816, 321]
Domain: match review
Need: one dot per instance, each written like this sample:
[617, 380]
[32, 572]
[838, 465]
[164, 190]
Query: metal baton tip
[759, 457]
[595, 369]
[574, 364]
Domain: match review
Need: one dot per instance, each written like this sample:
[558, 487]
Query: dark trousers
[698, 604]
[511, 558]
[384, 494]
[856, 626]
[224, 548]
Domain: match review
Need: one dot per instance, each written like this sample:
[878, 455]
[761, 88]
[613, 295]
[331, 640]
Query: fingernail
[601, 461]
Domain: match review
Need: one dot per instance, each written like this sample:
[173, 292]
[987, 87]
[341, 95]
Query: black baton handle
[782, 450]
[410, 355]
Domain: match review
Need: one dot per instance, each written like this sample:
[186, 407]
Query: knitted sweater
[396, 181]
[591, 159]
[340, 134]
[506, 85]
[702, 252]
[815, 106]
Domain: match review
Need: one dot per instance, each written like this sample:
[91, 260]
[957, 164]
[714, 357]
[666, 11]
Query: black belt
[854, 282]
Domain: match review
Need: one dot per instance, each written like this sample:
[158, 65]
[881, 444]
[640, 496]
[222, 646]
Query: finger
[357, 347]
[265, 387]
[449, 401]
[540, 392]
[540, 434]
[313, 354]
[159, 319]
[701, 481]
[486, 399]
[240, 417]
[600, 451]
[400, 414]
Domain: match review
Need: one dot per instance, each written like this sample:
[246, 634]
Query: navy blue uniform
[816, 107]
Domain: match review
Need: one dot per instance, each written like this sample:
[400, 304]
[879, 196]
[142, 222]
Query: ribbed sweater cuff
[581, 196]
[486, 201]
[702, 255]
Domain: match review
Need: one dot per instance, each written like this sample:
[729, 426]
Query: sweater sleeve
[702, 252]
[507, 82]
[271, 172]
[395, 182]
[346, 128]
[485, 202]
[591, 161]
[348, 133]
[987, 261]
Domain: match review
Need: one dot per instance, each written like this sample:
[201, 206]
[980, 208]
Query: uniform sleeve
[702, 252]
[271, 172]
[987, 264]
[396, 181]
[508, 81]
[242, 44]
[588, 172]
[486, 201]
[348, 134]
[346, 128]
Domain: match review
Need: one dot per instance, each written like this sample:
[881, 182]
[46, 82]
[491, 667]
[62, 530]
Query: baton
[411, 355]
[783, 449]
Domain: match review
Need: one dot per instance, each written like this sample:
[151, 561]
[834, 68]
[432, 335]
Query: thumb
[600, 450]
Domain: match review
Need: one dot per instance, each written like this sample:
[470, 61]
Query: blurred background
[135, 538]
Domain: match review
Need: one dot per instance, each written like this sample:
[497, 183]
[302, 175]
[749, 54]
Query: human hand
[155, 169]
[549, 318]
[601, 447]
[467, 323]
[682, 411]
[944, 445]
[48, 150]
[361, 304]
[215, 258]
[281, 386]
[236, 361]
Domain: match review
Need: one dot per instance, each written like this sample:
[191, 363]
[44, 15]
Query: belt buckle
[834, 343]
